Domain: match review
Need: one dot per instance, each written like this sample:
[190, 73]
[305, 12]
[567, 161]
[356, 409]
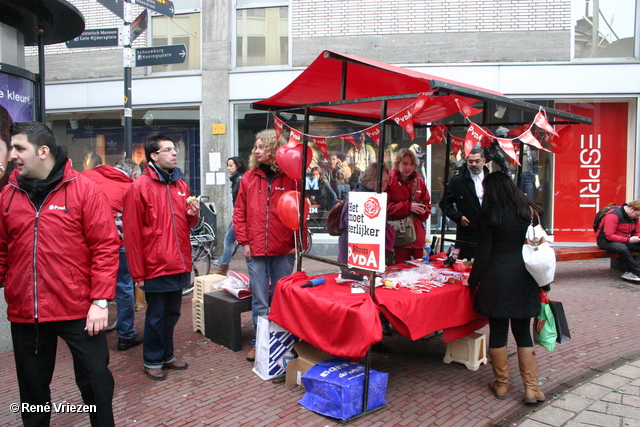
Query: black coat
[505, 287]
[460, 200]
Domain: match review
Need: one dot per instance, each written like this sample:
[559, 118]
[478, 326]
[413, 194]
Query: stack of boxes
[202, 285]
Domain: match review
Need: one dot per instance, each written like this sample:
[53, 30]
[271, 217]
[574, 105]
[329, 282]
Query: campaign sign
[367, 229]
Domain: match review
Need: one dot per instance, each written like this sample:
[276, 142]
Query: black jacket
[460, 200]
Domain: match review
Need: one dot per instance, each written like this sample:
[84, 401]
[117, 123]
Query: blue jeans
[163, 312]
[125, 298]
[229, 243]
[264, 273]
[528, 184]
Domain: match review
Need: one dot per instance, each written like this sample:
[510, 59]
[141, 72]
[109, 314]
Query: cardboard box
[308, 356]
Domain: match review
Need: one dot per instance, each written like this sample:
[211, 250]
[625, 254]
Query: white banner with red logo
[367, 230]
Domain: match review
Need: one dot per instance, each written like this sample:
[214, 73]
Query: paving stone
[630, 400]
[599, 406]
[572, 402]
[627, 422]
[611, 380]
[598, 419]
[629, 371]
[552, 415]
[592, 391]
[623, 411]
[533, 423]
[613, 397]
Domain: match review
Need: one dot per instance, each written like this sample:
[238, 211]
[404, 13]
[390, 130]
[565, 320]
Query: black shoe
[124, 345]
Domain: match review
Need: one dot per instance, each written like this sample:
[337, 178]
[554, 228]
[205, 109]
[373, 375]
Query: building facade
[551, 52]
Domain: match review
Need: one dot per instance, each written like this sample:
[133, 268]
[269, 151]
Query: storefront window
[181, 29]
[604, 28]
[262, 36]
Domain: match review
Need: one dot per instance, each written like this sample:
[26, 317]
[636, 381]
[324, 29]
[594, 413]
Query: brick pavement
[219, 388]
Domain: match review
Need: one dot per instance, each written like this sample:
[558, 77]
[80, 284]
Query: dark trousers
[35, 348]
[163, 312]
[631, 264]
[499, 332]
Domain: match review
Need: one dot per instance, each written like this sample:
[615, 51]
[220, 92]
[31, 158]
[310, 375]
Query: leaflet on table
[423, 278]
[367, 229]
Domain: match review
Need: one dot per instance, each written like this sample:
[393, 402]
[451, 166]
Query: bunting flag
[507, 147]
[321, 143]
[465, 109]
[528, 138]
[519, 130]
[487, 138]
[542, 122]
[456, 144]
[374, 133]
[437, 135]
[474, 136]
[348, 137]
[279, 125]
[295, 137]
[421, 102]
[404, 119]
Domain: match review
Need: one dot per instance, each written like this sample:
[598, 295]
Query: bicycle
[202, 239]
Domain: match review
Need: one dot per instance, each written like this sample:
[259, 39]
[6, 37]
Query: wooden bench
[580, 253]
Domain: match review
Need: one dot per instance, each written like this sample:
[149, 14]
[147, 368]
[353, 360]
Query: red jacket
[157, 226]
[255, 216]
[400, 193]
[55, 262]
[114, 183]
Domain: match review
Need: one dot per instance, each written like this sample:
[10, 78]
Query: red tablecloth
[328, 316]
[449, 307]
[333, 319]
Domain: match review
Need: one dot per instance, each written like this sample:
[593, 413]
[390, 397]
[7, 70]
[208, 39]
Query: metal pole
[41, 113]
[303, 188]
[127, 58]
[447, 164]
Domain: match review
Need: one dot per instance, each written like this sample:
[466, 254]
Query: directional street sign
[160, 55]
[164, 7]
[115, 6]
[138, 26]
[95, 38]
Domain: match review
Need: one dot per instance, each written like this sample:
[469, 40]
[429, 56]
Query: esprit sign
[589, 171]
[367, 227]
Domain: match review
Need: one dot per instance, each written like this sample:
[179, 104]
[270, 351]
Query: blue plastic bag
[334, 388]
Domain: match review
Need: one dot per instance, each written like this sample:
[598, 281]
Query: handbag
[544, 326]
[538, 255]
[404, 228]
[560, 317]
[405, 231]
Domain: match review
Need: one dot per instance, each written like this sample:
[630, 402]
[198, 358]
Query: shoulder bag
[404, 228]
[539, 257]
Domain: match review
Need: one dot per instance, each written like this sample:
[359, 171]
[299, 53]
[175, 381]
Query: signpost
[164, 7]
[160, 55]
[95, 38]
[138, 26]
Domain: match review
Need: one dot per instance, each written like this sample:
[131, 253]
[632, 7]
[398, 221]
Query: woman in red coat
[408, 194]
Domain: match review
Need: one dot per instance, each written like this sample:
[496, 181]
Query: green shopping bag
[544, 326]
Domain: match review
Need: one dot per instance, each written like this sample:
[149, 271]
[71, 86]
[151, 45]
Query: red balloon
[563, 142]
[288, 209]
[290, 160]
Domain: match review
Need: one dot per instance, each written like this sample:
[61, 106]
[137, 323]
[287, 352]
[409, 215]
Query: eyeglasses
[168, 150]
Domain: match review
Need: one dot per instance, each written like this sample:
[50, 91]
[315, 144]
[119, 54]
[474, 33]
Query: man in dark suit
[462, 200]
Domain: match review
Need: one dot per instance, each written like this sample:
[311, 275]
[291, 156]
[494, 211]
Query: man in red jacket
[157, 217]
[115, 181]
[619, 232]
[58, 262]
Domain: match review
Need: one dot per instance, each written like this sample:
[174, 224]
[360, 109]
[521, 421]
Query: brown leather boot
[527, 364]
[222, 269]
[500, 385]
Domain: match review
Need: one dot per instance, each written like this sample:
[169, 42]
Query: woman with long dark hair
[505, 291]
[236, 167]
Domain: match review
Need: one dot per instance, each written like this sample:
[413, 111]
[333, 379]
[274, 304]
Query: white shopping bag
[274, 349]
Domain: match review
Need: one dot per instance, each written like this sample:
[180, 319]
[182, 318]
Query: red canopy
[334, 77]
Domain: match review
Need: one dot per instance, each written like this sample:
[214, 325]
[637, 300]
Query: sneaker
[629, 276]
[251, 356]
[124, 345]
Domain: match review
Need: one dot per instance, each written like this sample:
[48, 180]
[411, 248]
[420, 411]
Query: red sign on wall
[591, 171]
